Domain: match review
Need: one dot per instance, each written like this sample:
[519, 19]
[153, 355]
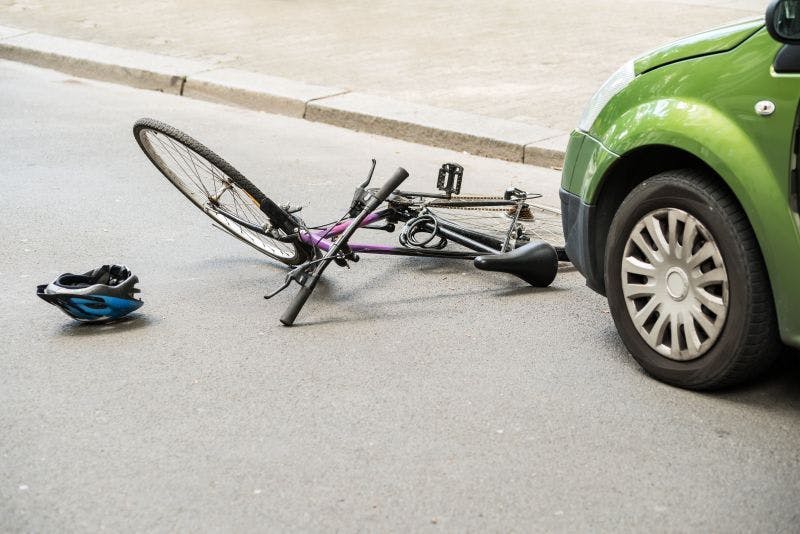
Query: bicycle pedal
[449, 179]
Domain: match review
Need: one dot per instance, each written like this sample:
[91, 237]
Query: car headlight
[616, 83]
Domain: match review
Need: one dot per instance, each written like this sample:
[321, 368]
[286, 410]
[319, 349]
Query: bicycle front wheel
[219, 190]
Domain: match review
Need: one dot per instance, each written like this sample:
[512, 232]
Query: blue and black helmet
[101, 295]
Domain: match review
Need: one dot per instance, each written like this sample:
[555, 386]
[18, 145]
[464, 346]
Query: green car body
[693, 104]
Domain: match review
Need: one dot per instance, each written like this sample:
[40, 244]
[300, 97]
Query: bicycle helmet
[98, 296]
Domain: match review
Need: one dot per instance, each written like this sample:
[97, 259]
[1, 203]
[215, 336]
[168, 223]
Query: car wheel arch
[630, 170]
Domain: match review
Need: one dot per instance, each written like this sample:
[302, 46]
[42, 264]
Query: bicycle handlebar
[300, 299]
[390, 185]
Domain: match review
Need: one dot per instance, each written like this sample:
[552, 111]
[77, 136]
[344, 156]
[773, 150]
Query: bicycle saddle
[535, 262]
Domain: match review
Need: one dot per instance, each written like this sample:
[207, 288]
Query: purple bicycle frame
[322, 238]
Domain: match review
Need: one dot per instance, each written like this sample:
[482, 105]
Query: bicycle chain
[476, 208]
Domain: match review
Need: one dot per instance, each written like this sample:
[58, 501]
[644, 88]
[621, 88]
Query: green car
[680, 201]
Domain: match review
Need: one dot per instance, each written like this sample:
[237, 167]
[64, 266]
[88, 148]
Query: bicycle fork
[309, 282]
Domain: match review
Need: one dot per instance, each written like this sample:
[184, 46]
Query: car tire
[686, 283]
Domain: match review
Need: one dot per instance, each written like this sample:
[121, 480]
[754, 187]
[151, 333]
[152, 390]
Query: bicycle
[507, 233]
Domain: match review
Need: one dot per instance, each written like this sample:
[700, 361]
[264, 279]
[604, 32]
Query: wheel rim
[211, 189]
[675, 284]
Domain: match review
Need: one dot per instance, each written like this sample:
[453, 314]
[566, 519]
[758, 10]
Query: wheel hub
[675, 284]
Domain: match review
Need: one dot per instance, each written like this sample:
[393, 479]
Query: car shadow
[566, 267]
[778, 389]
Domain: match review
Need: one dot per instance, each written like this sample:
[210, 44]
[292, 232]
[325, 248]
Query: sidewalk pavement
[500, 79]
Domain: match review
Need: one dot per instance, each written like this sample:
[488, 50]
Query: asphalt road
[414, 395]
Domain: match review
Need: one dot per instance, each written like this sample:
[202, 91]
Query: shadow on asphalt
[777, 390]
[437, 266]
[398, 308]
[447, 266]
[349, 311]
[424, 266]
[240, 260]
[126, 324]
[527, 290]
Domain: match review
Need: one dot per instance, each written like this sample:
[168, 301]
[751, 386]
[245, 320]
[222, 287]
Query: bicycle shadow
[243, 261]
[425, 267]
[354, 306]
[449, 267]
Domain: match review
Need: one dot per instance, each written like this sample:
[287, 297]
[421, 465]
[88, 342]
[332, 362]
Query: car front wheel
[686, 283]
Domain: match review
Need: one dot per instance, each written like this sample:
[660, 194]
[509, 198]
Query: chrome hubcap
[675, 284]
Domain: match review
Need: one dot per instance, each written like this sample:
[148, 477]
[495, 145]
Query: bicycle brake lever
[284, 286]
[359, 195]
[298, 274]
[369, 176]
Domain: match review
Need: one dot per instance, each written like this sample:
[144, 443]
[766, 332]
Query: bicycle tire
[168, 148]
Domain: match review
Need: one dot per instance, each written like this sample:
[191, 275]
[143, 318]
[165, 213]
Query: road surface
[413, 396]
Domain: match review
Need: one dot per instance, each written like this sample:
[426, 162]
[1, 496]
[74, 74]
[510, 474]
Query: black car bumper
[576, 219]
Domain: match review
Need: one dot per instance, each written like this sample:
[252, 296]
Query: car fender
[713, 137]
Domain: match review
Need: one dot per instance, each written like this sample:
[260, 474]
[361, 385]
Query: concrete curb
[99, 62]
[256, 91]
[465, 132]
[455, 130]
[547, 152]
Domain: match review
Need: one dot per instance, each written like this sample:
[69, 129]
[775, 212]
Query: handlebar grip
[294, 308]
[391, 184]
